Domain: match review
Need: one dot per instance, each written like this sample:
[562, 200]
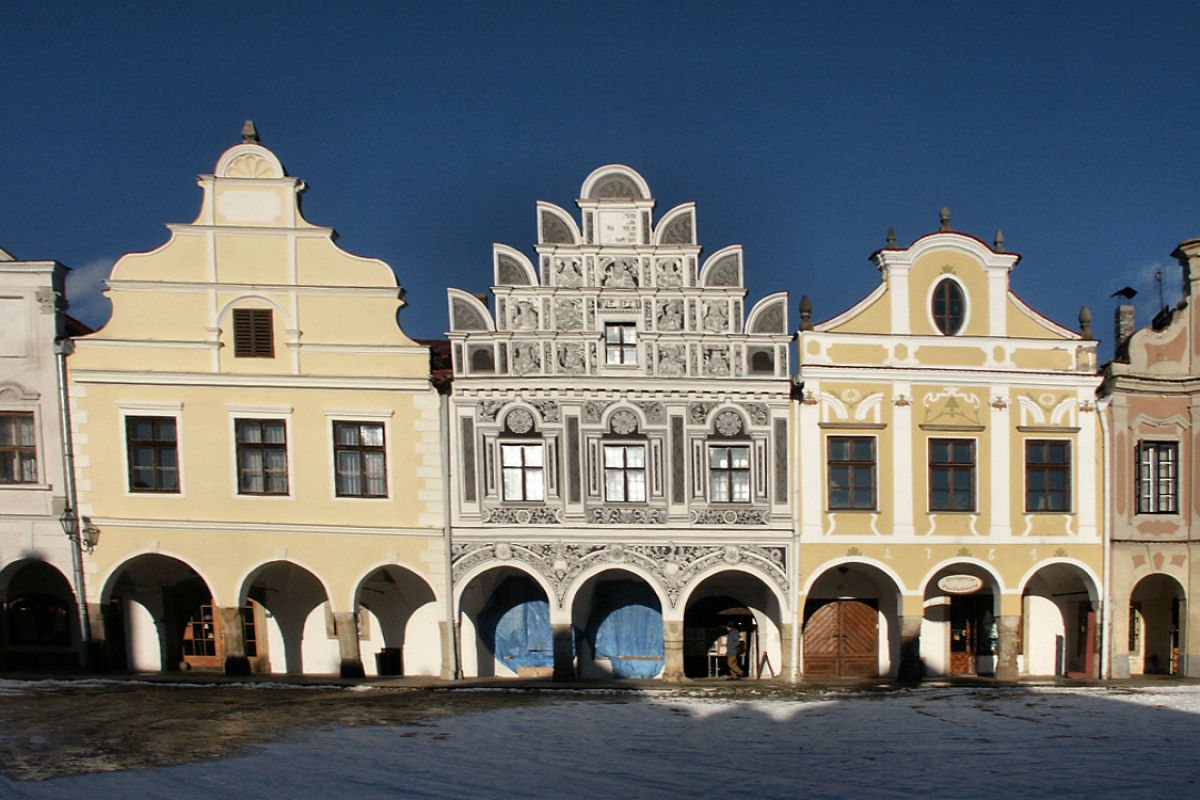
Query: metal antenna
[1162, 303]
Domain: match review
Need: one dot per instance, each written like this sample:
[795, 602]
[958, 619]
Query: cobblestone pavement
[56, 727]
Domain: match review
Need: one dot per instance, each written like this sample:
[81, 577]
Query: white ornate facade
[619, 447]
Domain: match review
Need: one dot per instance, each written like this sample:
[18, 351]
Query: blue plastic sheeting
[515, 624]
[626, 627]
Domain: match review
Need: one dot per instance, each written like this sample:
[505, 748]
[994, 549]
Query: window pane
[28, 467]
[863, 450]
[164, 430]
[534, 485]
[614, 485]
[741, 486]
[939, 451]
[514, 484]
[839, 449]
[962, 453]
[346, 434]
[168, 480]
[276, 432]
[940, 478]
[25, 435]
[510, 455]
[249, 432]
[962, 501]
[637, 486]
[533, 455]
[372, 435]
[140, 429]
[741, 457]
[863, 497]
[718, 485]
[635, 457]
[718, 457]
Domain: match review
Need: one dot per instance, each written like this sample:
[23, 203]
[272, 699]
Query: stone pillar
[673, 650]
[911, 667]
[448, 659]
[784, 668]
[101, 657]
[233, 640]
[564, 651]
[346, 625]
[1006, 657]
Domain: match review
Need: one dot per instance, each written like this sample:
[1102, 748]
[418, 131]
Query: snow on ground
[952, 742]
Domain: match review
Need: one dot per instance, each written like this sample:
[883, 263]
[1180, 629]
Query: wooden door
[841, 640]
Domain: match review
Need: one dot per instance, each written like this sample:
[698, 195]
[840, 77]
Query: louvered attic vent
[252, 333]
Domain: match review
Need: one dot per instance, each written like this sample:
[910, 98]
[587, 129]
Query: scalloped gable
[614, 182]
[467, 313]
[512, 267]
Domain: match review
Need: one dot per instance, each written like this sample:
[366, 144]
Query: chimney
[1124, 324]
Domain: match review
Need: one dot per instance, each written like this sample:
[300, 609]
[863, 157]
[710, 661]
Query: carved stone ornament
[728, 423]
[488, 409]
[716, 316]
[593, 410]
[670, 316]
[519, 420]
[555, 231]
[623, 422]
[571, 358]
[568, 315]
[698, 412]
[527, 358]
[759, 413]
[716, 361]
[725, 272]
[672, 360]
[525, 316]
[619, 273]
[609, 515]
[510, 272]
[520, 516]
[568, 272]
[547, 408]
[678, 230]
[672, 567]
[669, 273]
[655, 411]
[770, 320]
[727, 516]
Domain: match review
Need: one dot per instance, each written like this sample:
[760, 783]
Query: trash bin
[389, 661]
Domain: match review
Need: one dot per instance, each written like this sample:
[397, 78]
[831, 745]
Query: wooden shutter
[253, 333]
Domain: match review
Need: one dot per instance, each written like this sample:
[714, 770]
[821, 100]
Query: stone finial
[249, 132]
[891, 239]
[998, 242]
[1085, 322]
[944, 216]
[805, 314]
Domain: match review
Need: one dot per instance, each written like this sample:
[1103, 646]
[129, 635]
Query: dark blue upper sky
[802, 130]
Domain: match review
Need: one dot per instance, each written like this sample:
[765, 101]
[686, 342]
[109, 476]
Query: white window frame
[1150, 490]
[622, 346]
[729, 471]
[626, 470]
[525, 470]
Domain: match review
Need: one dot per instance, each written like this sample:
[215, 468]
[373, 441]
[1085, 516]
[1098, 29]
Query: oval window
[948, 307]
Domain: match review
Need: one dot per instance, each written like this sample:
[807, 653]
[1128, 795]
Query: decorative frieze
[608, 515]
[727, 516]
[522, 516]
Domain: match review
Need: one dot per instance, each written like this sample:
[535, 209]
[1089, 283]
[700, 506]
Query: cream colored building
[258, 443]
[949, 481]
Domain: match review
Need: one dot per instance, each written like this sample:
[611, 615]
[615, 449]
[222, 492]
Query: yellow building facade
[258, 442]
[948, 487]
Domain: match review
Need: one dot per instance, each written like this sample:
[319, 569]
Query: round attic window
[949, 307]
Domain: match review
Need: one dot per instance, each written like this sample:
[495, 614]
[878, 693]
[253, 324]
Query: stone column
[233, 640]
[673, 650]
[102, 658]
[911, 668]
[784, 668]
[564, 651]
[346, 625]
[1006, 657]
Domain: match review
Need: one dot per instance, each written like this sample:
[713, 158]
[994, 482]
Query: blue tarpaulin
[626, 628]
[515, 625]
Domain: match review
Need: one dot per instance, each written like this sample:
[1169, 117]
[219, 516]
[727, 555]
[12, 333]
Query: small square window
[18, 447]
[253, 334]
[523, 469]
[360, 465]
[620, 343]
[729, 473]
[153, 456]
[262, 456]
[851, 473]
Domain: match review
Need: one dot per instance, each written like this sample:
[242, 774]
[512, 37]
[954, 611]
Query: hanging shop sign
[960, 584]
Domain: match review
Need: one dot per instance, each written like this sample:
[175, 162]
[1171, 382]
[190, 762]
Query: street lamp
[70, 525]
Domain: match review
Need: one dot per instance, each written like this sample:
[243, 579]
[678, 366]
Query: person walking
[733, 638]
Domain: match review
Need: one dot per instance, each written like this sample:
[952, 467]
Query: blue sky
[802, 131]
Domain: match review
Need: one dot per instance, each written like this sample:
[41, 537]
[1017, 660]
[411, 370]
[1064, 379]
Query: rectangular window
[620, 343]
[951, 475]
[262, 456]
[153, 457]
[1047, 476]
[729, 474]
[359, 461]
[625, 473]
[253, 336]
[524, 472]
[18, 447]
[851, 473]
[1158, 478]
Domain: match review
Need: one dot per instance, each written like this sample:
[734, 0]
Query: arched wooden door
[841, 640]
